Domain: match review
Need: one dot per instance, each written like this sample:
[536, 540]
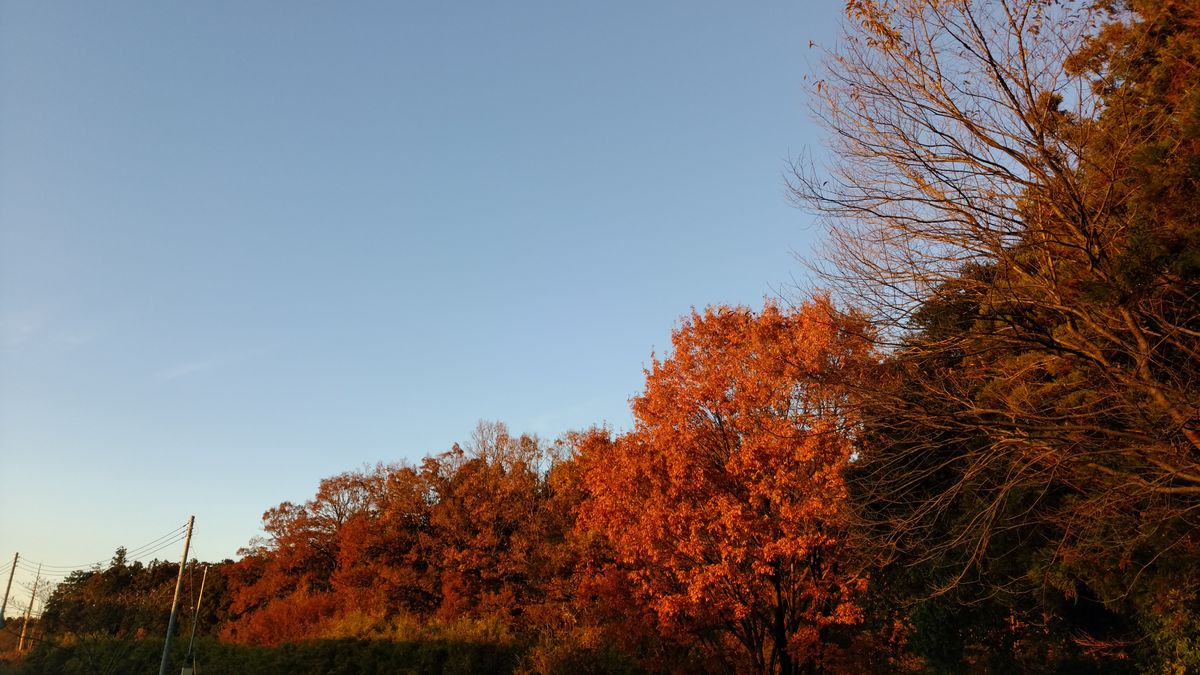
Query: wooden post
[187, 541]
[29, 610]
[16, 556]
[189, 661]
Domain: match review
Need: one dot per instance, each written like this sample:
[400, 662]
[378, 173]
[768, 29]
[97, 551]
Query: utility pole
[189, 661]
[187, 541]
[11, 572]
[29, 610]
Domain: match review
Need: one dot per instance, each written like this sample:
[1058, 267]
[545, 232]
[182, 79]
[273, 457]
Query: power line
[138, 551]
[61, 577]
[58, 577]
[51, 575]
[32, 570]
[177, 532]
[161, 547]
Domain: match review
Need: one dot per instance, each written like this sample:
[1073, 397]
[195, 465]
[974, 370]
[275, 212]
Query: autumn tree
[384, 568]
[282, 588]
[589, 616]
[724, 505]
[487, 522]
[474, 533]
[1013, 195]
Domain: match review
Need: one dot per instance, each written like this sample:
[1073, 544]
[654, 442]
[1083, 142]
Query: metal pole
[189, 664]
[8, 588]
[162, 668]
[29, 609]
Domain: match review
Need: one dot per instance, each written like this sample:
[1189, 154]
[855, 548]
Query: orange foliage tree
[487, 523]
[282, 589]
[725, 504]
[475, 533]
[383, 565]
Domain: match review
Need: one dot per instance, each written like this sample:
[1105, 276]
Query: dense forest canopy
[977, 450]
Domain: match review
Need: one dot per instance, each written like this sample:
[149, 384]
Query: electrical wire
[151, 552]
[33, 567]
[55, 577]
[48, 576]
[132, 553]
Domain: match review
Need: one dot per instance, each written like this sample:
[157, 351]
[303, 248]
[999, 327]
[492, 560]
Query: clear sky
[244, 246]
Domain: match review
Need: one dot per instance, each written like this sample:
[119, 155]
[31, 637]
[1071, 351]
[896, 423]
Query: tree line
[975, 448]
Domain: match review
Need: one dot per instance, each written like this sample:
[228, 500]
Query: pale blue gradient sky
[244, 246]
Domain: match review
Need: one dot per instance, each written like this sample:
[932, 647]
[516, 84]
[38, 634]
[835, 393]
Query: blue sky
[244, 246]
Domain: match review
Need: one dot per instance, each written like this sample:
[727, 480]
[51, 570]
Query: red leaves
[472, 533]
[720, 516]
[726, 499]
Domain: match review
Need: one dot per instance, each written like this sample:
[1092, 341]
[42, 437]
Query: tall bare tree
[1013, 197]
